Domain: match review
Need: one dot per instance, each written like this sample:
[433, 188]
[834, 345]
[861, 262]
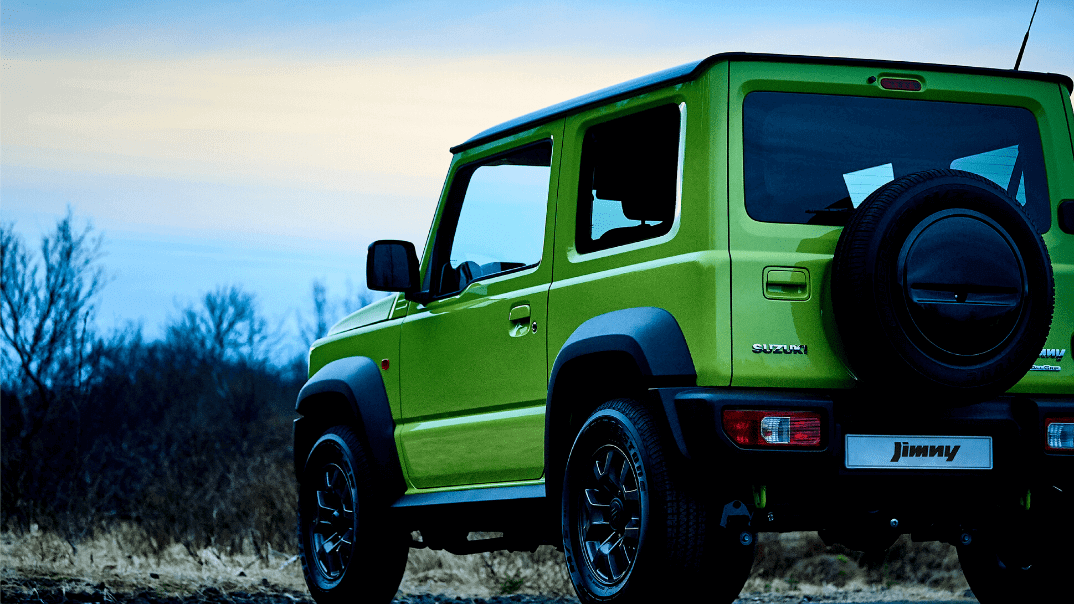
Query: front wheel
[350, 553]
[635, 528]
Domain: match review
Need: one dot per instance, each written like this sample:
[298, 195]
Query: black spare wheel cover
[942, 285]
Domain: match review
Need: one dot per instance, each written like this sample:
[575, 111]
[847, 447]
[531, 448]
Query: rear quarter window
[812, 158]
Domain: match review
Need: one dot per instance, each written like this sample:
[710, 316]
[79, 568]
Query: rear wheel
[1025, 557]
[635, 525]
[1000, 572]
[350, 552]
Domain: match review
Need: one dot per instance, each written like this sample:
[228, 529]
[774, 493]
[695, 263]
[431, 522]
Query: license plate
[918, 452]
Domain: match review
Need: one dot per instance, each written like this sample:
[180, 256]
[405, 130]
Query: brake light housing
[774, 428]
[1059, 434]
[900, 84]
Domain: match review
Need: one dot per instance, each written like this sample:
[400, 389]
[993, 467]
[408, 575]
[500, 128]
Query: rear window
[812, 159]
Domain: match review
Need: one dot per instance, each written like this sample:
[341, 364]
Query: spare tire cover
[942, 285]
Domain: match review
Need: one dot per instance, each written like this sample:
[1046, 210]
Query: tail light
[777, 428]
[1059, 433]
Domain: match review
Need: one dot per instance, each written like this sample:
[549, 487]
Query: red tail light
[752, 428]
[900, 84]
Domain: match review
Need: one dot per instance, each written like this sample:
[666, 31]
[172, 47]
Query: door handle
[519, 313]
[786, 283]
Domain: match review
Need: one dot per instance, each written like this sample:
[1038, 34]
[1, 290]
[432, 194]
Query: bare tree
[326, 311]
[227, 327]
[321, 315]
[46, 314]
[358, 297]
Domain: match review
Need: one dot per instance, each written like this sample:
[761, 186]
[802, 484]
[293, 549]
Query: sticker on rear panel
[919, 452]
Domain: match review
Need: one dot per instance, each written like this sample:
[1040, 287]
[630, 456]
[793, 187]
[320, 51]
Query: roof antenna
[1026, 39]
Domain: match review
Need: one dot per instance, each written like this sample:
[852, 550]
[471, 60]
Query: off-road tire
[941, 284]
[1024, 556]
[338, 504]
[666, 543]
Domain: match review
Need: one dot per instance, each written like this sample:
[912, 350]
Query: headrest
[636, 162]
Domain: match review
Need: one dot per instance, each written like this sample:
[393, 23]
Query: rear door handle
[786, 283]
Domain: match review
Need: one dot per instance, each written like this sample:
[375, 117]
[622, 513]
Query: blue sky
[267, 143]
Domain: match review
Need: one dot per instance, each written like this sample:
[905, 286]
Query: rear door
[809, 143]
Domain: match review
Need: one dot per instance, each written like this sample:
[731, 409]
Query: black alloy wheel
[350, 550]
[335, 520]
[610, 523]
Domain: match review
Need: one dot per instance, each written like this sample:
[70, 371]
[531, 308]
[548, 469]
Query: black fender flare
[650, 336]
[356, 381]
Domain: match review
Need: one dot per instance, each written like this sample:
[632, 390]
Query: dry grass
[488, 574]
[800, 562]
[119, 556]
[792, 563]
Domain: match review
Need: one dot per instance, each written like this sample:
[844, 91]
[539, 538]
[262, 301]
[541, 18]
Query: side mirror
[392, 266]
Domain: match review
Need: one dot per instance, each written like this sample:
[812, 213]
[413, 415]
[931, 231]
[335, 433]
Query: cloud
[267, 145]
[333, 124]
[361, 136]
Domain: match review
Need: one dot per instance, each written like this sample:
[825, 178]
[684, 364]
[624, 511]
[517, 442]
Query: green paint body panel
[375, 312]
[684, 272]
[758, 245]
[498, 446]
[377, 341]
[1060, 169]
[469, 373]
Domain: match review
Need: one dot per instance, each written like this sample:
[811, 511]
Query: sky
[266, 143]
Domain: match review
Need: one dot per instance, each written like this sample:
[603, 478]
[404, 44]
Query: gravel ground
[43, 569]
[43, 590]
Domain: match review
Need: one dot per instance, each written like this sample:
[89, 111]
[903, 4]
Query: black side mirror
[392, 266]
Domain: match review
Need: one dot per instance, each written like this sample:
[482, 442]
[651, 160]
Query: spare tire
[942, 285]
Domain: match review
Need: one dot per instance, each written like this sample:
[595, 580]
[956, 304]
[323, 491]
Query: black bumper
[818, 478]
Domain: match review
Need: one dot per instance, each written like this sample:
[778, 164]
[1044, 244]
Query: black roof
[691, 71]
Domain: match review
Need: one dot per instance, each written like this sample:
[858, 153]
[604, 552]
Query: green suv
[754, 293]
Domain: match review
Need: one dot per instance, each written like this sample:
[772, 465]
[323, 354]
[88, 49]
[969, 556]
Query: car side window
[495, 219]
[630, 178]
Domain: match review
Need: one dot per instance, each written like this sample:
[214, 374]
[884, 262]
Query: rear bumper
[817, 485]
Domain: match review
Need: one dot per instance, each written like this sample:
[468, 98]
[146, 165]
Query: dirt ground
[45, 569]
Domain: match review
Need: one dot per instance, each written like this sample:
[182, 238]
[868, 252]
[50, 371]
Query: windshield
[812, 159]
